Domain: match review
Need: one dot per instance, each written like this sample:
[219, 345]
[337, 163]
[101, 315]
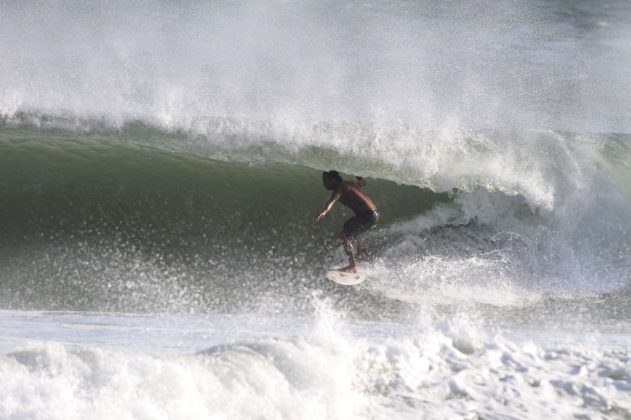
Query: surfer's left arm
[329, 205]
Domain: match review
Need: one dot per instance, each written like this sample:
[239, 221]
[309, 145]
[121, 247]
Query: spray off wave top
[436, 65]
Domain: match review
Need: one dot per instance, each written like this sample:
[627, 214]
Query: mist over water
[440, 65]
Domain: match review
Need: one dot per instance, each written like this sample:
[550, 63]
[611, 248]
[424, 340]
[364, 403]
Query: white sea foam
[441, 367]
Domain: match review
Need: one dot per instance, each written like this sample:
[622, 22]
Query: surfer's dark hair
[333, 174]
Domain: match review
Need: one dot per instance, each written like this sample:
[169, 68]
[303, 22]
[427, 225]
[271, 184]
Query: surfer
[349, 193]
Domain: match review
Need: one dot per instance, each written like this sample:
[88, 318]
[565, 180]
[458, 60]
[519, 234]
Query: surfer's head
[331, 179]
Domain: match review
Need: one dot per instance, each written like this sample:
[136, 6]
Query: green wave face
[82, 216]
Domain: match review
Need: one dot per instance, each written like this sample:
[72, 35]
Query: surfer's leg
[361, 253]
[349, 248]
[356, 227]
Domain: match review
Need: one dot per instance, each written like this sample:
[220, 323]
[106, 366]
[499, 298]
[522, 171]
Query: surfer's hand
[320, 216]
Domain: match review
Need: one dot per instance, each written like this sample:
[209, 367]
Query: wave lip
[545, 167]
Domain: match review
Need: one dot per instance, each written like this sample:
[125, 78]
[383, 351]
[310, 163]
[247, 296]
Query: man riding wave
[366, 216]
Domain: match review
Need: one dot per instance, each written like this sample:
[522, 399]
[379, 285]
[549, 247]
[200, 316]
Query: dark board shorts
[360, 224]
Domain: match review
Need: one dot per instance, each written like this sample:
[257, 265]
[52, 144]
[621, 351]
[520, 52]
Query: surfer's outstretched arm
[329, 205]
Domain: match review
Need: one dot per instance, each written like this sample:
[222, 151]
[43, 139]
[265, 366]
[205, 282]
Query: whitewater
[160, 169]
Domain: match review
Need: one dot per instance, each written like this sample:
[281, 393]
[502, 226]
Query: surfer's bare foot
[349, 269]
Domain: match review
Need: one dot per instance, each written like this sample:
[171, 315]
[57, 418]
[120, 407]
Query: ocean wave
[107, 217]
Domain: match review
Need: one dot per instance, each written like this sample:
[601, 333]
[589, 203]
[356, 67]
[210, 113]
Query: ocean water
[160, 170]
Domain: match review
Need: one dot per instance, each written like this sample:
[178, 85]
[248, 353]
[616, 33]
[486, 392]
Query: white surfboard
[346, 278]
